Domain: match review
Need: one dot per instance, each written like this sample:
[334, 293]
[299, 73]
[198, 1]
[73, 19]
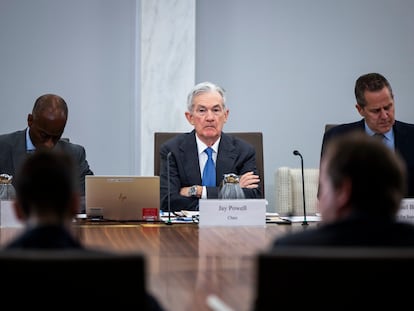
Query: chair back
[254, 138]
[289, 190]
[73, 278]
[333, 277]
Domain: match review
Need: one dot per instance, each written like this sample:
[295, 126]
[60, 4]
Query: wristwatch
[192, 191]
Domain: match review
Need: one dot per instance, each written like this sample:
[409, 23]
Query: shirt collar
[388, 135]
[29, 144]
[202, 146]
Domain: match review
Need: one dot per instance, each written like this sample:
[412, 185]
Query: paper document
[310, 218]
[179, 217]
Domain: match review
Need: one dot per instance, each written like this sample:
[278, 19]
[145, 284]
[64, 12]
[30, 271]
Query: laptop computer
[122, 198]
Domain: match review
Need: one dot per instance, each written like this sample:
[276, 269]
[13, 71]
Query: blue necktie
[209, 173]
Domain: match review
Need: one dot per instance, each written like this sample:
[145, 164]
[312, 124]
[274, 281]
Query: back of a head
[376, 173]
[45, 183]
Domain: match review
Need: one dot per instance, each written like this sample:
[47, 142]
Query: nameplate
[242, 212]
[7, 215]
[406, 211]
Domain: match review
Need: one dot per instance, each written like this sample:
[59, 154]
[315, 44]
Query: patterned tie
[209, 173]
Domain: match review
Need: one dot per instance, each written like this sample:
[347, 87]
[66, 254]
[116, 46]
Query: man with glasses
[193, 164]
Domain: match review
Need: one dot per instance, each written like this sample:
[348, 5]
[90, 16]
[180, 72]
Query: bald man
[45, 126]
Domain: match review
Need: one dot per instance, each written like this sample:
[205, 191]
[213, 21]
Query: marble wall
[167, 71]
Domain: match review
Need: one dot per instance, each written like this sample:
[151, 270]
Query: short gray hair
[204, 87]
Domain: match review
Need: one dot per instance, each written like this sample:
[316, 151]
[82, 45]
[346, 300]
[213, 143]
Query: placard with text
[237, 212]
[406, 212]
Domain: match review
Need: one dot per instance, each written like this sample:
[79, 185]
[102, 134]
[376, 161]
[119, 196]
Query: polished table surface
[186, 263]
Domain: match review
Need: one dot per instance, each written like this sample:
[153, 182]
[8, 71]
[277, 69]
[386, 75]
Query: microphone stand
[169, 196]
[304, 223]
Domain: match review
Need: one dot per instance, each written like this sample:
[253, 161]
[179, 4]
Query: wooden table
[186, 263]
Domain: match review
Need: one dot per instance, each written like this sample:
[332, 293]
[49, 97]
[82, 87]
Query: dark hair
[370, 82]
[46, 182]
[377, 174]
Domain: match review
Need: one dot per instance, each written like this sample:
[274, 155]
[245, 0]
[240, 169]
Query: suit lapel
[189, 153]
[19, 149]
[227, 156]
[401, 140]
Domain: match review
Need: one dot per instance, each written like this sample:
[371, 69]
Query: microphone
[297, 153]
[169, 195]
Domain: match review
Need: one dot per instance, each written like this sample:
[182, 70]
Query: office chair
[334, 278]
[289, 191]
[73, 278]
[254, 138]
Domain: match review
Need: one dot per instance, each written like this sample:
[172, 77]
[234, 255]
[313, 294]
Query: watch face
[193, 191]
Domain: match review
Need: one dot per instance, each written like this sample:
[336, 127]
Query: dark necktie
[378, 136]
[209, 173]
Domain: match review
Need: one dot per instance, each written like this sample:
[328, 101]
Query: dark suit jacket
[13, 152]
[404, 144]
[357, 230]
[57, 237]
[45, 237]
[234, 156]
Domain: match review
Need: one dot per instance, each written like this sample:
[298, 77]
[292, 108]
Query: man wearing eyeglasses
[193, 164]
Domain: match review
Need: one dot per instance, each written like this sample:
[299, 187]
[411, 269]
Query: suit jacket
[404, 144]
[58, 237]
[356, 230]
[45, 237]
[234, 156]
[13, 152]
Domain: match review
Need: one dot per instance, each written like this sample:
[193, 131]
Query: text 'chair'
[289, 190]
[334, 278]
[73, 278]
[254, 138]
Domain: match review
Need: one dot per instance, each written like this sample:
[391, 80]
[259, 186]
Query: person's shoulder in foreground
[362, 183]
[47, 200]
[183, 181]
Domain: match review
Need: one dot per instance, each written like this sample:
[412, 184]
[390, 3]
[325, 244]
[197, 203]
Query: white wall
[84, 51]
[289, 66]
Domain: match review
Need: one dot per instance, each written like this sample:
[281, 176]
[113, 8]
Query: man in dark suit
[375, 103]
[45, 126]
[47, 200]
[362, 183]
[186, 156]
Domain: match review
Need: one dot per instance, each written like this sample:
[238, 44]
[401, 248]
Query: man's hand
[249, 180]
